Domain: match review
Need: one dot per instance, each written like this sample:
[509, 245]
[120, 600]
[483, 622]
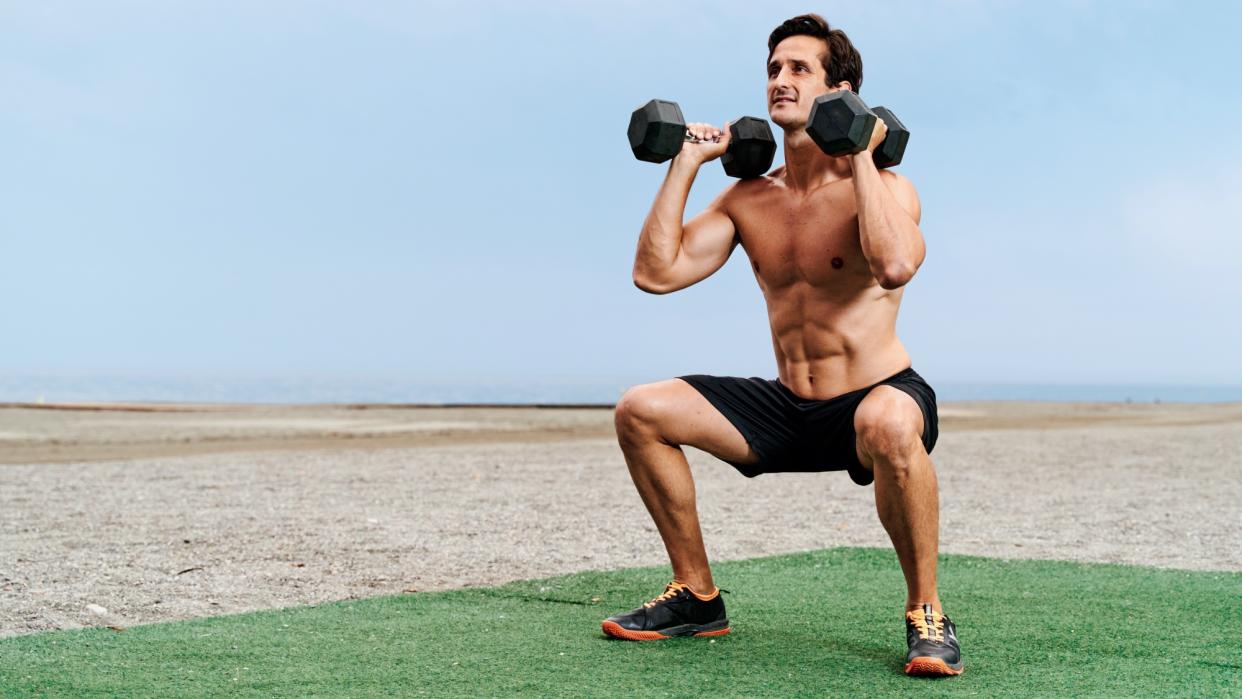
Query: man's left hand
[877, 135]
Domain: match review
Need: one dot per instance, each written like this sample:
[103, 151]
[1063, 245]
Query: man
[832, 241]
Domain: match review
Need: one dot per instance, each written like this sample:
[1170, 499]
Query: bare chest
[811, 239]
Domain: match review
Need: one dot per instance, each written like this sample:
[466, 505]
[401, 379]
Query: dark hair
[842, 61]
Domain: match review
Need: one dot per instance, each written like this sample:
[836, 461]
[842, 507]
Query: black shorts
[793, 434]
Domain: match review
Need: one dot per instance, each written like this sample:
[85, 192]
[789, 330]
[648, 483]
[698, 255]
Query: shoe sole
[615, 630]
[931, 667]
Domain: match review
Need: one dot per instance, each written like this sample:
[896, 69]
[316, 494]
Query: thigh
[887, 418]
[682, 416]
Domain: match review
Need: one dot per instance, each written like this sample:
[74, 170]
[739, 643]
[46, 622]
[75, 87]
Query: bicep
[708, 238]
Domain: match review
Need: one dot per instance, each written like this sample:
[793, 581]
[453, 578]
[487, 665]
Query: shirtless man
[832, 241]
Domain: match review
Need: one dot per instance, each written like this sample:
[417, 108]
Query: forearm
[660, 240]
[891, 240]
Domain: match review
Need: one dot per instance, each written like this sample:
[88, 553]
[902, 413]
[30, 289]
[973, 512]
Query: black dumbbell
[657, 131]
[841, 124]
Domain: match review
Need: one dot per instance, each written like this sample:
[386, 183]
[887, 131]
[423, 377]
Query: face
[795, 78]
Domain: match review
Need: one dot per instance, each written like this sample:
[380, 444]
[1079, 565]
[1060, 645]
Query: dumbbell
[841, 124]
[657, 131]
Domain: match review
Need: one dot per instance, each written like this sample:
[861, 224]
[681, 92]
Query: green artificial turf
[826, 623]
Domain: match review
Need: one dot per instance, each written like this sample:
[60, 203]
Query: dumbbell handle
[692, 139]
[653, 138]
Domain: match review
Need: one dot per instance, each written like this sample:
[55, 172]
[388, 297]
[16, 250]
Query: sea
[49, 389]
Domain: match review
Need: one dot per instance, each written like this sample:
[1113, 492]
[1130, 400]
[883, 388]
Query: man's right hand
[713, 142]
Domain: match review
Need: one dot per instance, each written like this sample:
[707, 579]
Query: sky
[442, 190]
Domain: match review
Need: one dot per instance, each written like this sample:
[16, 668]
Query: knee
[887, 432]
[638, 412]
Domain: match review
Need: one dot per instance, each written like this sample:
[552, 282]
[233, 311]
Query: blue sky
[436, 191]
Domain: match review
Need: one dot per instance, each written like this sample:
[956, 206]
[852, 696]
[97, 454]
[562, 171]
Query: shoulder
[896, 180]
[903, 190]
[743, 189]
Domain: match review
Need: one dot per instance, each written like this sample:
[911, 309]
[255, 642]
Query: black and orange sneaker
[932, 640]
[676, 612]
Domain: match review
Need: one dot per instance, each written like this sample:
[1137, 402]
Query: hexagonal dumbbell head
[840, 123]
[890, 152]
[751, 149]
[657, 130]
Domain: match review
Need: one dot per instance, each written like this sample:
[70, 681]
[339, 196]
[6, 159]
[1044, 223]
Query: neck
[808, 167]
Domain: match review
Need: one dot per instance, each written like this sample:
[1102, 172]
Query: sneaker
[932, 639]
[676, 612]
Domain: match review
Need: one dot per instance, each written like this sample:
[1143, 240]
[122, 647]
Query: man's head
[807, 58]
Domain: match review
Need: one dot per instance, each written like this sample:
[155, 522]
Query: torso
[833, 326]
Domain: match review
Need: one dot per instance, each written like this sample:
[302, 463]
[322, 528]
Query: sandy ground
[112, 516]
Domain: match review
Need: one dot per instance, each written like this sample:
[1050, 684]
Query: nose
[778, 83]
[781, 79]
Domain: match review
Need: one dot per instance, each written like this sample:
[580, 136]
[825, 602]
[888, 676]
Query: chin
[784, 119]
[784, 111]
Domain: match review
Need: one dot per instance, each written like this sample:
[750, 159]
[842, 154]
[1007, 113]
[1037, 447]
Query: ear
[843, 85]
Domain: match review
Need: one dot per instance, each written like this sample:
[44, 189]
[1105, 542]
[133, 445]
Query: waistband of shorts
[903, 374]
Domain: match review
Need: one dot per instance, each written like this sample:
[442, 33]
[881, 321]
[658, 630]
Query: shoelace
[670, 591]
[929, 624]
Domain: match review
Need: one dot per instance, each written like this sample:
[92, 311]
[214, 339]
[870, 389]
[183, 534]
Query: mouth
[782, 99]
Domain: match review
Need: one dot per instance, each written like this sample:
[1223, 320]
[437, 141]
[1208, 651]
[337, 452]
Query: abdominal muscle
[827, 345]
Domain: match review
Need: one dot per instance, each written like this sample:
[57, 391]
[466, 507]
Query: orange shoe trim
[930, 666]
[706, 598]
[615, 630]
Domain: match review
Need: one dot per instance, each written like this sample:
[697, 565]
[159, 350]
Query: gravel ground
[289, 506]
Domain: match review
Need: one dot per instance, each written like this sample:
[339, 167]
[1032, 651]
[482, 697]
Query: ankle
[917, 606]
[705, 596]
[704, 590]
